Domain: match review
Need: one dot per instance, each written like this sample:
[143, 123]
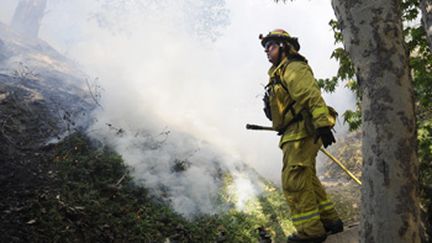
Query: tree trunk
[28, 16]
[372, 33]
[426, 8]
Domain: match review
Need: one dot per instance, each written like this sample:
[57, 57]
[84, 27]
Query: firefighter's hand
[326, 136]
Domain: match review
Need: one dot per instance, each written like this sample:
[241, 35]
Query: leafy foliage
[425, 152]
[353, 118]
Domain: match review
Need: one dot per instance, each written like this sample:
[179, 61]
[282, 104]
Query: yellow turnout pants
[306, 197]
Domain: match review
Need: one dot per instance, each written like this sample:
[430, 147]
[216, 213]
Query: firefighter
[294, 104]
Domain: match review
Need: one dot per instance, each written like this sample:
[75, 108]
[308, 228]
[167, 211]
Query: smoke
[194, 68]
[165, 72]
[185, 171]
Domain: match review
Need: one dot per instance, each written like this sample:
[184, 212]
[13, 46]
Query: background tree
[28, 16]
[416, 40]
[426, 8]
[373, 37]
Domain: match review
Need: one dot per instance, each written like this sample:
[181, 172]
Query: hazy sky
[157, 72]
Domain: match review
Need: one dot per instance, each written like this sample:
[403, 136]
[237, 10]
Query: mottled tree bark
[372, 33]
[426, 8]
[28, 16]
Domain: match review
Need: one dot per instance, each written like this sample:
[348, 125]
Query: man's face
[272, 50]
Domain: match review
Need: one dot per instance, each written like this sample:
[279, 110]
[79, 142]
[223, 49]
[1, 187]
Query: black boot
[334, 227]
[296, 239]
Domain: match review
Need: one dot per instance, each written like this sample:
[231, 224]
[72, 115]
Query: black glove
[266, 109]
[326, 136]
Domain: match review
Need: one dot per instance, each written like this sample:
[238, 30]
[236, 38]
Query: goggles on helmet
[270, 43]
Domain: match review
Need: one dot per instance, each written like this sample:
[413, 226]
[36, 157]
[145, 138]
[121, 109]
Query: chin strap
[280, 53]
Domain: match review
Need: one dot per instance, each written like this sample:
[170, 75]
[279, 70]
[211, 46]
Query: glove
[326, 136]
[266, 109]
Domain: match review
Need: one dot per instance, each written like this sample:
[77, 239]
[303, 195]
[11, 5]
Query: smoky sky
[191, 66]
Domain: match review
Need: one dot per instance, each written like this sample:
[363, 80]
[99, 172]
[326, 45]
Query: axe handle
[258, 127]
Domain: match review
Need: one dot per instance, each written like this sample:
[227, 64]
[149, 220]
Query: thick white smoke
[164, 71]
[186, 171]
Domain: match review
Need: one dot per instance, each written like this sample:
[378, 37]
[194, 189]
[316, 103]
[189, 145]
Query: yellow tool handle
[341, 165]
